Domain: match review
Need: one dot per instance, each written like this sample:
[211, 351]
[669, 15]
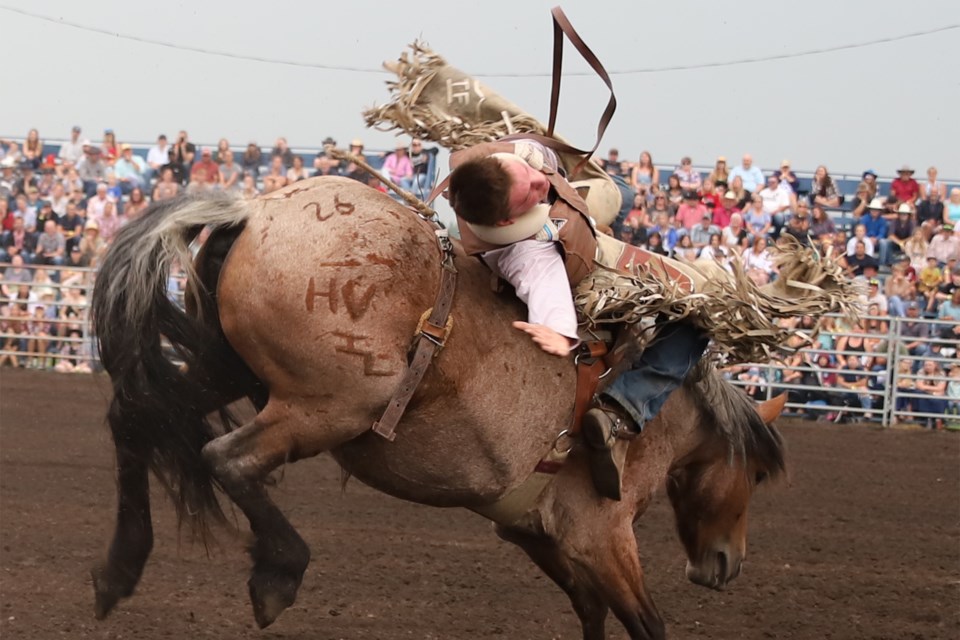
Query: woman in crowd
[135, 205]
[821, 226]
[252, 159]
[655, 243]
[933, 185]
[398, 167]
[934, 391]
[685, 249]
[674, 193]
[222, 147]
[916, 249]
[899, 290]
[638, 220]
[167, 187]
[276, 177]
[742, 196]
[659, 206]
[32, 151]
[297, 171]
[952, 209]
[644, 174]
[228, 175]
[715, 250]
[735, 232]
[757, 262]
[905, 384]
[824, 191]
[249, 190]
[720, 173]
[111, 151]
[758, 221]
[92, 246]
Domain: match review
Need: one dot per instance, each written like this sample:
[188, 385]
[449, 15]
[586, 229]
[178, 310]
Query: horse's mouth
[713, 572]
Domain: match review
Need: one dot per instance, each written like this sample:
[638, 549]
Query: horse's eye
[761, 476]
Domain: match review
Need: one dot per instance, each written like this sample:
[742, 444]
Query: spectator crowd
[59, 213]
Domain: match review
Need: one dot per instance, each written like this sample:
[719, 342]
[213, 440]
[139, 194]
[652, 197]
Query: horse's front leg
[240, 460]
[546, 554]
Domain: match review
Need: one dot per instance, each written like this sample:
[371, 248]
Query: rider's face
[529, 186]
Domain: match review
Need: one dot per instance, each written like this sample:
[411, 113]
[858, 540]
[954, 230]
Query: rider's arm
[535, 269]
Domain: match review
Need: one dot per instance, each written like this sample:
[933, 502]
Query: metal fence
[894, 382]
[888, 390]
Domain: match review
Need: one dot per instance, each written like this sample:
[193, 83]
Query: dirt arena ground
[862, 542]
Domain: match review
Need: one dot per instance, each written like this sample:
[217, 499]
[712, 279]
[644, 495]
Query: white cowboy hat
[880, 204]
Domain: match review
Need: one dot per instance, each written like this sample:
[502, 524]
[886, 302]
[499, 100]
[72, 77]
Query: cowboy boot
[604, 431]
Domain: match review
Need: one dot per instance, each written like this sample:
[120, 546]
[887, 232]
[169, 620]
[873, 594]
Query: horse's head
[710, 490]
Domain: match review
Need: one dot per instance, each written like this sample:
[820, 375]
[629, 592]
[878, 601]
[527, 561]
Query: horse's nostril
[722, 564]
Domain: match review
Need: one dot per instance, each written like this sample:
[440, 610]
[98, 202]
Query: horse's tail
[158, 415]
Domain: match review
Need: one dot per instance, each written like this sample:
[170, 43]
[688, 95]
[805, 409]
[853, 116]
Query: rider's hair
[480, 191]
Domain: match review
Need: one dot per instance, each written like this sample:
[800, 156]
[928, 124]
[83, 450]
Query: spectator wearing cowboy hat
[944, 246]
[398, 167]
[902, 228]
[324, 164]
[878, 230]
[91, 245]
[788, 179]
[905, 188]
[91, 169]
[129, 169]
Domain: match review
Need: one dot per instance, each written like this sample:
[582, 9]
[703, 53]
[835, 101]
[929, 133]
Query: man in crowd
[930, 212]
[157, 156]
[71, 224]
[14, 275]
[752, 176]
[420, 158]
[691, 211]
[776, 202]
[91, 169]
[944, 246]
[700, 233]
[859, 261]
[905, 188]
[877, 229]
[915, 333]
[51, 245]
[613, 166]
[183, 155]
[71, 152]
[129, 170]
[205, 170]
[18, 242]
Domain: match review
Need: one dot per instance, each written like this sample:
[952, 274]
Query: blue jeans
[661, 368]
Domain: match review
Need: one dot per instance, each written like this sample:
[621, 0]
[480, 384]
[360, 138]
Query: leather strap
[431, 338]
[561, 27]
[590, 367]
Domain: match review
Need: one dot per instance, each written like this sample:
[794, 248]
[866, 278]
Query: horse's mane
[734, 416]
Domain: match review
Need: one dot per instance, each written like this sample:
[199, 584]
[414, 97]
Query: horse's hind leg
[240, 460]
[132, 538]
[547, 555]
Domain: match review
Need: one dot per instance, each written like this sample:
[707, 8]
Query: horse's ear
[771, 409]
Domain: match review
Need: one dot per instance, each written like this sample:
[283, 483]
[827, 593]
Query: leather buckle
[436, 335]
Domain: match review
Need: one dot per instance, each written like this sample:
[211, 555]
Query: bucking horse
[305, 301]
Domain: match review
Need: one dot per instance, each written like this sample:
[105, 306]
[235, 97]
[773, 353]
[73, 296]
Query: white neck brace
[524, 226]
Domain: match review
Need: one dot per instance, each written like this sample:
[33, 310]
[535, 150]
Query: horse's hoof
[106, 594]
[270, 596]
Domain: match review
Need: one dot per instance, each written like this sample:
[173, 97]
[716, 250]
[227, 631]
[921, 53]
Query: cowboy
[534, 230]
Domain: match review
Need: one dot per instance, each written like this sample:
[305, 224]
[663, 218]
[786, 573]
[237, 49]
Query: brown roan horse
[305, 301]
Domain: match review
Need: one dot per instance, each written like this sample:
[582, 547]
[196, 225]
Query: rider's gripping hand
[548, 339]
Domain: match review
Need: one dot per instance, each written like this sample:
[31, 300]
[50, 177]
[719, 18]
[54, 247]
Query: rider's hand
[548, 339]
